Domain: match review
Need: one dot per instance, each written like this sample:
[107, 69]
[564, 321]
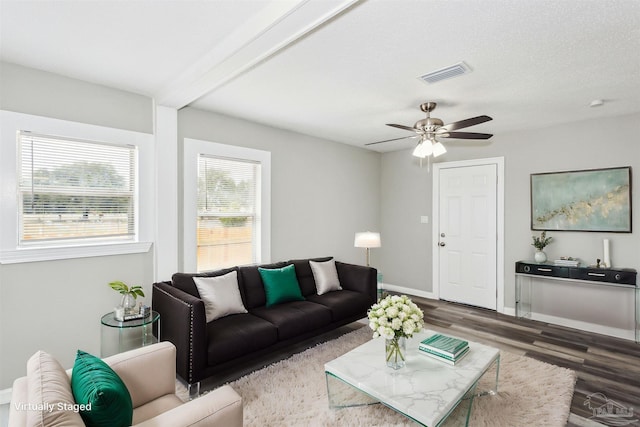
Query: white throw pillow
[326, 276]
[221, 295]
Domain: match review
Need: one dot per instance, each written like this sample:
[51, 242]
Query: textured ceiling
[341, 69]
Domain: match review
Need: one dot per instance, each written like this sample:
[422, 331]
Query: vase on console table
[540, 256]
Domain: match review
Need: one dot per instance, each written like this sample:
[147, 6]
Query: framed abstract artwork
[586, 200]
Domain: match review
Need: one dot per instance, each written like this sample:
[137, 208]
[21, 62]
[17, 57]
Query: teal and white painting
[589, 200]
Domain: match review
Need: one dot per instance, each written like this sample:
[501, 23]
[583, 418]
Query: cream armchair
[149, 374]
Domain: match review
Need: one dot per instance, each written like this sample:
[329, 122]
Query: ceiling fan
[430, 128]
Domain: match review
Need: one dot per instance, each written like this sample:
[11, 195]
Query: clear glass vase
[395, 351]
[128, 302]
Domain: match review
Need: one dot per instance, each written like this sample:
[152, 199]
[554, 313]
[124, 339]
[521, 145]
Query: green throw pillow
[94, 383]
[280, 285]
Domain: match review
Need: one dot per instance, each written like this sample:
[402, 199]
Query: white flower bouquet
[392, 318]
[395, 316]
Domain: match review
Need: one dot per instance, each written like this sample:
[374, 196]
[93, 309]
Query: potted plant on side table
[129, 295]
[540, 243]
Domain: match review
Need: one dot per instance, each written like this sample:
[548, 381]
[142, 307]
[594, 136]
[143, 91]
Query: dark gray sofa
[203, 349]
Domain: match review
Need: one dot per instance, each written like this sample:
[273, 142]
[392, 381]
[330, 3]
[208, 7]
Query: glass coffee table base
[343, 395]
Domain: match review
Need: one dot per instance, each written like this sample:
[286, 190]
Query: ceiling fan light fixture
[429, 128]
[423, 149]
[417, 152]
[438, 149]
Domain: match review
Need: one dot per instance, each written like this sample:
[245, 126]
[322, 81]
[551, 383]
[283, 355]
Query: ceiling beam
[272, 29]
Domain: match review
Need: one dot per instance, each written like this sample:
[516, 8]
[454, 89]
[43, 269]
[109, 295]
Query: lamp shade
[438, 149]
[423, 149]
[367, 239]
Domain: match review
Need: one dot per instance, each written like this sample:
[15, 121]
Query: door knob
[442, 244]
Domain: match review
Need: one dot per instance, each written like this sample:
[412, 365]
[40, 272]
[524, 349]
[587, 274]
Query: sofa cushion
[221, 295]
[184, 281]
[280, 285]
[305, 274]
[251, 285]
[343, 304]
[295, 318]
[94, 383]
[237, 335]
[48, 387]
[325, 276]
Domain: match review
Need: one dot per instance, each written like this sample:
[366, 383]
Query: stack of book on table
[444, 348]
[567, 262]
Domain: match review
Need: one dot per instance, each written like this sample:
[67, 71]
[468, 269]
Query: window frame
[11, 251]
[193, 148]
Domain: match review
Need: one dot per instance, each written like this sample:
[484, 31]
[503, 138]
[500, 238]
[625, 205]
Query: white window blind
[228, 212]
[72, 190]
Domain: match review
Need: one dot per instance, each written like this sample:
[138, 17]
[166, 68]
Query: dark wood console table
[621, 278]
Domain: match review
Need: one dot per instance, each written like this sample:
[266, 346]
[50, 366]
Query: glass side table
[380, 286]
[117, 336]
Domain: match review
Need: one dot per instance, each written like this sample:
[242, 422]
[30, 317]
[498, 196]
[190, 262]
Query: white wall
[406, 250]
[56, 305]
[25, 90]
[601, 143]
[322, 192]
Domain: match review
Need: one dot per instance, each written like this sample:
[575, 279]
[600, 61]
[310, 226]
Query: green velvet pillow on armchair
[94, 383]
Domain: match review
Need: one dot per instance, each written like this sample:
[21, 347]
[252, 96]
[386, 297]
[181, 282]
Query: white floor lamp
[368, 240]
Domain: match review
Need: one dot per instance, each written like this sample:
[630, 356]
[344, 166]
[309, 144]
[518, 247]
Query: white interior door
[467, 235]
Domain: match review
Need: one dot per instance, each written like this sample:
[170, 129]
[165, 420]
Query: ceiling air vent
[446, 73]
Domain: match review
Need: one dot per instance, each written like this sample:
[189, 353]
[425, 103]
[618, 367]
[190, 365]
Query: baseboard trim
[509, 311]
[585, 326]
[408, 291]
[5, 396]
[430, 295]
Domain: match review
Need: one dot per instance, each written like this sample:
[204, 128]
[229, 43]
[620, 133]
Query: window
[72, 190]
[226, 205]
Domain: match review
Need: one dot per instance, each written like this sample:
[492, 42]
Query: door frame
[435, 215]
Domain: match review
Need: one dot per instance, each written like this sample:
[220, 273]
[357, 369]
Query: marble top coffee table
[425, 390]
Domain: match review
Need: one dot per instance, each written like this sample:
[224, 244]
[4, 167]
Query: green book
[443, 344]
[444, 359]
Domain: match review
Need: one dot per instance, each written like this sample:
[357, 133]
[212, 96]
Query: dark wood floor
[606, 365]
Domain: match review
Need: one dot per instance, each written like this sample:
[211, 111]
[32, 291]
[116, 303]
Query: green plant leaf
[119, 286]
[122, 287]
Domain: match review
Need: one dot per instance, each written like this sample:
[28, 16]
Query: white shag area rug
[293, 392]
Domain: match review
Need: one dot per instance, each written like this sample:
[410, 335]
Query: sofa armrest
[221, 407]
[183, 321]
[148, 372]
[359, 278]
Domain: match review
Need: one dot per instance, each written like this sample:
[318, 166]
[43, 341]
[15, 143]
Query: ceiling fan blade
[465, 123]
[389, 140]
[465, 135]
[403, 127]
